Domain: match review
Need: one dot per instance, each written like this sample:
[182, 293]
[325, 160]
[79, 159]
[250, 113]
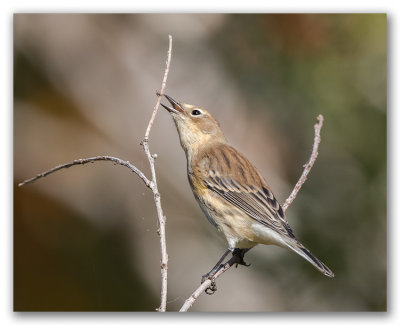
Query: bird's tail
[307, 255]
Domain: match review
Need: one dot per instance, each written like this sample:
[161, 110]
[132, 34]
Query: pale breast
[234, 225]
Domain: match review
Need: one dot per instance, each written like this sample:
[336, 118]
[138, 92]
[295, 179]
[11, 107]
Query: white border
[6, 129]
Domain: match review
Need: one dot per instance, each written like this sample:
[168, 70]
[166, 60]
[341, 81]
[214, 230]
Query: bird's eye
[196, 112]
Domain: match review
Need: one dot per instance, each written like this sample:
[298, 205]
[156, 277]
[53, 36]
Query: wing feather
[243, 186]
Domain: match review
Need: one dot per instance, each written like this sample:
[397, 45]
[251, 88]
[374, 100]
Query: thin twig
[307, 167]
[207, 283]
[91, 160]
[157, 199]
[150, 184]
[163, 84]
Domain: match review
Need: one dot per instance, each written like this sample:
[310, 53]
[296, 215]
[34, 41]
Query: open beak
[176, 107]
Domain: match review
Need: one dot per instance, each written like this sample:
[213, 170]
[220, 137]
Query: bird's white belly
[267, 236]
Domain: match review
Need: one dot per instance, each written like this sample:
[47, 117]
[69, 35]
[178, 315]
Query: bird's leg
[210, 274]
[239, 252]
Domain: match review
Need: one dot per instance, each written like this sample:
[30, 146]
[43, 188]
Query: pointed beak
[176, 107]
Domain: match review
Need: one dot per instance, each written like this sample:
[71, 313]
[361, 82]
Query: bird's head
[196, 127]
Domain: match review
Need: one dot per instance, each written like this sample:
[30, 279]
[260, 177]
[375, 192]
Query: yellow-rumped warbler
[231, 192]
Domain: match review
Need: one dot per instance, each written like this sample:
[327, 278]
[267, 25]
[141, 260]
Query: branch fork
[208, 285]
[151, 184]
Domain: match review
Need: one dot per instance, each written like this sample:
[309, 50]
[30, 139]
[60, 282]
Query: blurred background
[84, 85]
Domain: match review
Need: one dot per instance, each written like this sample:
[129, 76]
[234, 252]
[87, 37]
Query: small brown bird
[231, 192]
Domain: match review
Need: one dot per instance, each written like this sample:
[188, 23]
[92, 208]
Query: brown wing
[228, 173]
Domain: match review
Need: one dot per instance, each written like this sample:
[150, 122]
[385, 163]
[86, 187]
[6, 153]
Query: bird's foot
[212, 288]
[209, 276]
[240, 254]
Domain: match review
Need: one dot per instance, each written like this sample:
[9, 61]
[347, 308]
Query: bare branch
[163, 84]
[91, 160]
[207, 283]
[157, 198]
[307, 168]
[150, 184]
